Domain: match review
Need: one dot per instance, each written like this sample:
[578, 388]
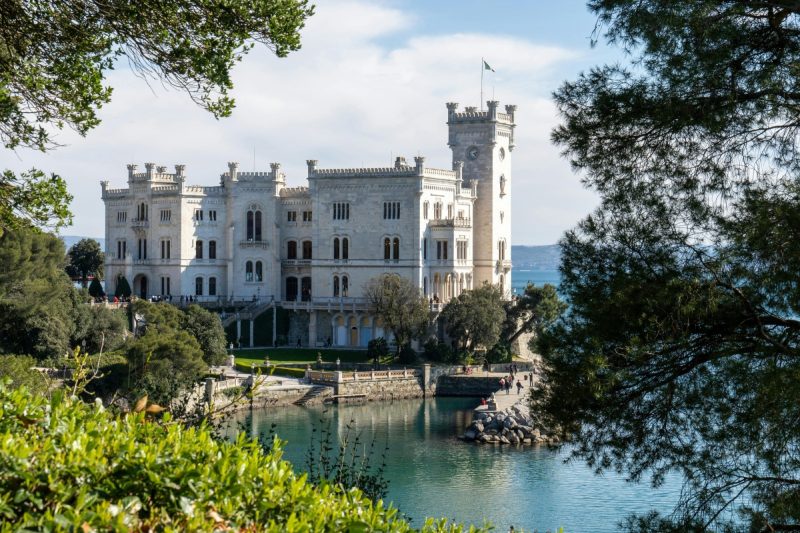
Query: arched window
[259, 271]
[501, 249]
[305, 289]
[306, 249]
[387, 248]
[345, 285]
[396, 249]
[212, 286]
[291, 250]
[250, 226]
[248, 271]
[291, 288]
[335, 286]
[198, 286]
[258, 226]
[198, 250]
[336, 248]
[212, 249]
[345, 248]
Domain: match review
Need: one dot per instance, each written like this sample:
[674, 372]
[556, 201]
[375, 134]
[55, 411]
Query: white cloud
[347, 99]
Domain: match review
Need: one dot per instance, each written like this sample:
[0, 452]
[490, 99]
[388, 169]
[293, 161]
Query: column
[251, 332]
[312, 329]
[238, 332]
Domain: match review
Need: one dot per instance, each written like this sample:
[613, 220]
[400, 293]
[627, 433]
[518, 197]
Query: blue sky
[370, 83]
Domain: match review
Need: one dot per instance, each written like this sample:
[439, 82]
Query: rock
[509, 423]
[520, 434]
[500, 417]
[512, 438]
[526, 441]
[485, 438]
[470, 434]
[504, 440]
[480, 415]
[478, 427]
[492, 432]
[536, 434]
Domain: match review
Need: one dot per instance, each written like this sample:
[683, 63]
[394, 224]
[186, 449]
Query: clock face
[502, 153]
[472, 152]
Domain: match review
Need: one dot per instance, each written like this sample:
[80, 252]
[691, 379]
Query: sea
[520, 278]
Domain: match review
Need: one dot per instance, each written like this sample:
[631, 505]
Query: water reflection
[431, 473]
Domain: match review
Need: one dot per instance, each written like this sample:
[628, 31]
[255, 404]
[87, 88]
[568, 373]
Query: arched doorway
[140, 287]
[291, 289]
[353, 323]
[341, 332]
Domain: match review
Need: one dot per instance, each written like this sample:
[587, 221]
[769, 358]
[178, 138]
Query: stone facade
[315, 248]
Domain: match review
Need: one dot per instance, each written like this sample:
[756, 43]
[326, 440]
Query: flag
[486, 66]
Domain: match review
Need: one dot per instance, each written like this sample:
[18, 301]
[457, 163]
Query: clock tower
[484, 140]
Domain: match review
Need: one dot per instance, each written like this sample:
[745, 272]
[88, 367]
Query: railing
[251, 243]
[140, 223]
[372, 375]
[451, 223]
[296, 262]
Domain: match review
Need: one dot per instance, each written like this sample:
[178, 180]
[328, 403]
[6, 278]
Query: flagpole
[482, 69]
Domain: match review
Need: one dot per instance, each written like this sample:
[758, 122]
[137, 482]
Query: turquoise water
[521, 278]
[432, 473]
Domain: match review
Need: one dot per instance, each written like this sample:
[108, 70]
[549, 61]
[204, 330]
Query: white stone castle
[313, 249]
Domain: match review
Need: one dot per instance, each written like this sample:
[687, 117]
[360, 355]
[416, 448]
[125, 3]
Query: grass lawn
[247, 356]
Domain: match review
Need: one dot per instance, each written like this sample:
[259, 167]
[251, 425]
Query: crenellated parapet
[472, 115]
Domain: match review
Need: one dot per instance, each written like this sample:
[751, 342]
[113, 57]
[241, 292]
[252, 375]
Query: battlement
[156, 173]
[400, 170]
[295, 192]
[471, 115]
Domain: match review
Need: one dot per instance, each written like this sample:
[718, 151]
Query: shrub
[96, 288]
[377, 349]
[113, 473]
[500, 353]
[407, 356]
[18, 370]
[438, 351]
[286, 371]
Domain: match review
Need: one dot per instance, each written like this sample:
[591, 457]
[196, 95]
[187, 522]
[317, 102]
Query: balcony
[503, 265]
[140, 223]
[296, 262]
[458, 222]
[252, 243]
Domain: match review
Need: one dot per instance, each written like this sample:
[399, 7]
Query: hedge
[70, 466]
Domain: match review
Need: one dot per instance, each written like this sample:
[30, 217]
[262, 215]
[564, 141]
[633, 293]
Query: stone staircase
[313, 395]
[251, 312]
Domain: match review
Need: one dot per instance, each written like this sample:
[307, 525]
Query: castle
[313, 249]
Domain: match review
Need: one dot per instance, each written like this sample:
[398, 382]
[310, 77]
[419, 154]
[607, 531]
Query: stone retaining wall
[475, 386]
[395, 389]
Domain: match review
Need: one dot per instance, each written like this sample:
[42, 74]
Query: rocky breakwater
[514, 425]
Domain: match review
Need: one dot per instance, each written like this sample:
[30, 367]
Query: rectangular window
[119, 250]
[425, 211]
[212, 249]
[212, 216]
[165, 286]
[437, 211]
[122, 216]
[441, 250]
[124, 249]
[461, 250]
[341, 211]
[306, 216]
[198, 286]
[449, 210]
[391, 210]
[198, 215]
[212, 286]
[291, 216]
[166, 215]
[424, 248]
[198, 250]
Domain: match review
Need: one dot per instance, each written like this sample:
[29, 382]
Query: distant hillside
[545, 257]
[69, 240]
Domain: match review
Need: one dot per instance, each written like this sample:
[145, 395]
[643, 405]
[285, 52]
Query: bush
[500, 353]
[407, 356]
[438, 351]
[112, 473]
[377, 349]
[286, 371]
[18, 369]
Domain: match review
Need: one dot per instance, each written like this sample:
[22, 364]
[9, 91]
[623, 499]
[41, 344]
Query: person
[519, 386]
[483, 401]
[502, 383]
[509, 383]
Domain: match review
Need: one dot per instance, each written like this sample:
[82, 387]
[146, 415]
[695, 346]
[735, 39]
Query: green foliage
[474, 317]
[407, 355]
[96, 289]
[112, 473]
[289, 372]
[679, 351]
[32, 197]
[16, 371]
[99, 327]
[500, 353]
[534, 309]
[400, 305]
[206, 327]
[123, 288]
[85, 258]
[438, 351]
[377, 349]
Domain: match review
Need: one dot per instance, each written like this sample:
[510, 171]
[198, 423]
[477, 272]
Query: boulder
[504, 440]
[512, 438]
[478, 427]
[500, 417]
[470, 434]
[485, 438]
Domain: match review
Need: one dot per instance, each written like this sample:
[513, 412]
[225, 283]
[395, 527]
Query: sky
[370, 82]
